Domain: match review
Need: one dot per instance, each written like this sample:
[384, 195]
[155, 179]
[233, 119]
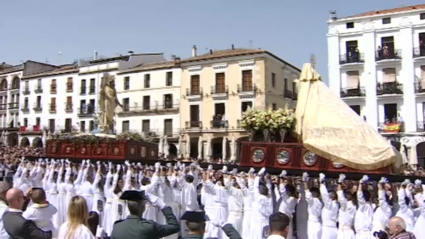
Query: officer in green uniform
[135, 227]
[196, 222]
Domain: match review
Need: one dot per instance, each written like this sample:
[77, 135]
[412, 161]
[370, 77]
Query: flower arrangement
[80, 138]
[274, 120]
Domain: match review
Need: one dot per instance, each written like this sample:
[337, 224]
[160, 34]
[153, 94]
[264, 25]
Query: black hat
[133, 195]
[195, 216]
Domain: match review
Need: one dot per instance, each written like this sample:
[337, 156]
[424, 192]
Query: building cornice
[53, 73]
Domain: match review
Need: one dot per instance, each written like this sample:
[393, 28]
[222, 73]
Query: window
[53, 104]
[386, 20]
[92, 85]
[127, 83]
[83, 87]
[146, 126]
[350, 25]
[390, 111]
[68, 125]
[194, 85]
[69, 84]
[273, 80]
[146, 102]
[274, 106]
[53, 86]
[126, 104]
[169, 79]
[68, 103]
[83, 126]
[39, 84]
[355, 108]
[194, 116]
[52, 125]
[422, 16]
[220, 83]
[389, 75]
[91, 125]
[168, 101]
[285, 82]
[38, 121]
[353, 79]
[26, 103]
[147, 80]
[125, 126]
[38, 104]
[220, 109]
[168, 127]
[247, 80]
[25, 122]
[245, 106]
[26, 86]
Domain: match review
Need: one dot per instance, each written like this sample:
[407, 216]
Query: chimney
[233, 47]
[194, 51]
[95, 55]
[211, 52]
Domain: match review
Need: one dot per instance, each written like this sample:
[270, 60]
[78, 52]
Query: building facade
[377, 66]
[218, 87]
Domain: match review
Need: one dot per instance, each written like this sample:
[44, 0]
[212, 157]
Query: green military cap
[133, 195]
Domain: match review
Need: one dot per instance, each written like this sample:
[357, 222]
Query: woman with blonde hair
[76, 226]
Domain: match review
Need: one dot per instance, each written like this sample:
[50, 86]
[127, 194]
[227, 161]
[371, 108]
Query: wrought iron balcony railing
[86, 111]
[92, 89]
[26, 91]
[219, 89]
[219, 124]
[390, 54]
[147, 108]
[420, 126]
[52, 89]
[52, 108]
[14, 105]
[351, 57]
[195, 91]
[288, 94]
[389, 88]
[69, 87]
[246, 88]
[419, 87]
[68, 108]
[353, 92]
[391, 127]
[25, 108]
[83, 90]
[294, 96]
[418, 52]
[39, 89]
[193, 124]
[38, 107]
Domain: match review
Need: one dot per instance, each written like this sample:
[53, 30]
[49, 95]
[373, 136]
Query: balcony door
[194, 115]
[194, 85]
[390, 111]
[146, 126]
[68, 125]
[220, 83]
[388, 77]
[168, 127]
[247, 80]
[351, 46]
[389, 42]
[52, 125]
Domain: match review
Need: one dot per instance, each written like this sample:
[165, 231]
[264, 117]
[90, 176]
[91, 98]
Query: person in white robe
[346, 213]
[286, 200]
[329, 211]
[151, 185]
[235, 201]
[262, 208]
[108, 192]
[86, 186]
[116, 211]
[247, 187]
[312, 196]
[383, 212]
[363, 221]
[404, 201]
[420, 200]
[98, 192]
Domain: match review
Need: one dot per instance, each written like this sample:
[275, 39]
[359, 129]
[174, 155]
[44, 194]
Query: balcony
[294, 96]
[219, 124]
[193, 124]
[351, 58]
[288, 94]
[419, 87]
[389, 88]
[353, 92]
[52, 108]
[69, 87]
[155, 109]
[418, 52]
[246, 91]
[3, 106]
[13, 105]
[194, 94]
[38, 107]
[52, 89]
[25, 108]
[31, 130]
[390, 127]
[87, 111]
[92, 89]
[14, 87]
[69, 108]
[83, 90]
[391, 54]
[219, 92]
[38, 90]
[26, 91]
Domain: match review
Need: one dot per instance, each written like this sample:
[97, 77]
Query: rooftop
[151, 66]
[62, 69]
[119, 58]
[387, 11]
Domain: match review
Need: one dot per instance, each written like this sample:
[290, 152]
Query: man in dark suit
[195, 222]
[136, 227]
[15, 225]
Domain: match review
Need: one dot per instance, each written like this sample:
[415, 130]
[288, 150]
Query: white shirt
[82, 232]
[275, 237]
[41, 215]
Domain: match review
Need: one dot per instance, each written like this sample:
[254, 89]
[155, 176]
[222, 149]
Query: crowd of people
[102, 200]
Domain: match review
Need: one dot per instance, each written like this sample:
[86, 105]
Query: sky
[291, 29]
